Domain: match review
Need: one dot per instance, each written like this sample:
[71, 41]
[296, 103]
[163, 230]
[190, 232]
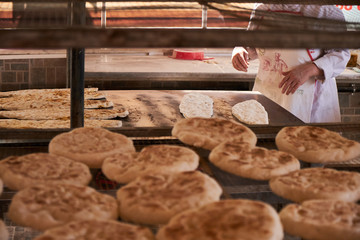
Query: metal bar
[146, 38]
[318, 2]
[77, 69]
[103, 14]
[77, 87]
[204, 17]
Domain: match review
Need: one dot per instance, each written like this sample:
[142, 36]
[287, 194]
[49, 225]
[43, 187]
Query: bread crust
[46, 206]
[317, 183]
[322, 220]
[92, 229]
[253, 162]
[208, 133]
[154, 199]
[19, 172]
[90, 145]
[233, 219]
[316, 145]
[162, 158]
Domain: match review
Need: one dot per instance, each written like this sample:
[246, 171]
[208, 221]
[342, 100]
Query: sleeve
[333, 63]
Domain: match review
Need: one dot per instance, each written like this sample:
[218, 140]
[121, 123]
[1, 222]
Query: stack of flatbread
[50, 108]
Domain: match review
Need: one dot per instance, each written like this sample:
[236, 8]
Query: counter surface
[151, 108]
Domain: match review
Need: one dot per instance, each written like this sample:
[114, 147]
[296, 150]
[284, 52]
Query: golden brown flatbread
[90, 145]
[253, 162]
[317, 183]
[316, 145]
[63, 114]
[162, 158]
[54, 124]
[4, 234]
[322, 220]
[154, 199]
[208, 133]
[97, 230]
[225, 220]
[46, 206]
[89, 93]
[19, 172]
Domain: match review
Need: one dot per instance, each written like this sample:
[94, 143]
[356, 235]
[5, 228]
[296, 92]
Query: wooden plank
[152, 38]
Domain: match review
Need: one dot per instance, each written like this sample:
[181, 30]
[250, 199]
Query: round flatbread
[196, 105]
[248, 161]
[322, 220]
[45, 206]
[316, 145]
[90, 145]
[225, 220]
[19, 172]
[4, 234]
[97, 230]
[317, 183]
[208, 133]
[155, 198]
[125, 167]
[250, 112]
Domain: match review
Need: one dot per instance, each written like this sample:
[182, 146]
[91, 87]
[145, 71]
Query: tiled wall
[32, 73]
[350, 106]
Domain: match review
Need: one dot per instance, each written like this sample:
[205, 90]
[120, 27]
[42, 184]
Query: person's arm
[241, 57]
[332, 64]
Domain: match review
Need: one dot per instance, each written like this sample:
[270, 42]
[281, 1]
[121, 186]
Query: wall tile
[19, 66]
[36, 63]
[55, 62]
[37, 77]
[354, 99]
[20, 77]
[344, 99]
[7, 77]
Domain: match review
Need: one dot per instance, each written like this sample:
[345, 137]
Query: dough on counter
[250, 112]
[196, 105]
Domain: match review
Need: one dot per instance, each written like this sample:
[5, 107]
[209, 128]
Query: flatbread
[196, 105]
[46, 206]
[53, 124]
[225, 220]
[4, 234]
[97, 230]
[316, 144]
[162, 158]
[40, 102]
[250, 112]
[1, 186]
[90, 145]
[19, 172]
[322, 220]
[154, 199]
[89, 93]
[317, 183]
[63, 114]
[249, 161]
[208, 133]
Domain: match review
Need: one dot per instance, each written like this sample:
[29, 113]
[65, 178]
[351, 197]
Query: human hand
[240, 59]
[296, 77]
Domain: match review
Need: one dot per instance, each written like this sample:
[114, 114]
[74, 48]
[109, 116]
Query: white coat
[315, 101]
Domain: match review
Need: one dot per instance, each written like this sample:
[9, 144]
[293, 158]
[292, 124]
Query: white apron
[313, 101]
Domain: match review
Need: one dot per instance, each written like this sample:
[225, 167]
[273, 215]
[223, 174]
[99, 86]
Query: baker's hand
[296, 77]
[240, 59]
